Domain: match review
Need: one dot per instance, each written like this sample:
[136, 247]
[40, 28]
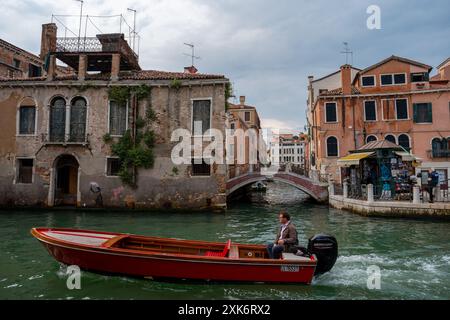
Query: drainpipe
[354, 123]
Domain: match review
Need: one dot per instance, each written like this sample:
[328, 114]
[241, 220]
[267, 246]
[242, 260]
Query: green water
[414, 255]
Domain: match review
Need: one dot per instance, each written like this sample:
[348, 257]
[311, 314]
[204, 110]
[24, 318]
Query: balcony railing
[434, 154]
[102, 43]
[65, 139]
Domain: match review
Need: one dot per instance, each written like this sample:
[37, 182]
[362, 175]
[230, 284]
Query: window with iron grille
[117, 118]
[27, 120]
[201, 114]
[25, 171]
[200, 168]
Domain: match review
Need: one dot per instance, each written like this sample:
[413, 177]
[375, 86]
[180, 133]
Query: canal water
[413, 255]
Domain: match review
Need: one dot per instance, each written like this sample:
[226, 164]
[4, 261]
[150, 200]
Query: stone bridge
[317, 190]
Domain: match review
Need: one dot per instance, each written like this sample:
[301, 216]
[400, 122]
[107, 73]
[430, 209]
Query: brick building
[395, 100]
[58, 130]
[18, 63]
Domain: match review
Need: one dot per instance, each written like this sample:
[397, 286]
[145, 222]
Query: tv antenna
[192, 54]
[81, 17]
[134, 26]
[348, 53]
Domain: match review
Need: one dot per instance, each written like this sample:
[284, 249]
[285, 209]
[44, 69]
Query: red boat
[159, 258]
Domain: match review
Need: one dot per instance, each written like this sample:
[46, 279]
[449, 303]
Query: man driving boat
[286, 237]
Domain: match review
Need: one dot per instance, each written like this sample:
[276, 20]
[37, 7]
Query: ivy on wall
[135, 147]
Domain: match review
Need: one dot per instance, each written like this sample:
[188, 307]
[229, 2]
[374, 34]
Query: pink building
[394, 100]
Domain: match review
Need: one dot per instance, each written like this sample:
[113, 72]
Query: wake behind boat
[160, 258]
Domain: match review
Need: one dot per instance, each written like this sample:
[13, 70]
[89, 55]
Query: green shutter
[430, 112]
[415, 108]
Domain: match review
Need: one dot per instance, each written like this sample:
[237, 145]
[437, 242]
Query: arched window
[332, 147]
[371, 138]
[403, 141]
[57, 120]
[440, 148]
[390, 138]
[78, 112]
[27, 117]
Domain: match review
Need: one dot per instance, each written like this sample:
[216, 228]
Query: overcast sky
[266, 48]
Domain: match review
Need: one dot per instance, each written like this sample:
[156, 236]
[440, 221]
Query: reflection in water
[414, 255]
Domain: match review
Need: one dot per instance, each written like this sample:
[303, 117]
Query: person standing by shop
[433, 182]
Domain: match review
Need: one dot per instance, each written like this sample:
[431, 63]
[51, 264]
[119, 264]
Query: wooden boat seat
[293, 257]
[222, 254]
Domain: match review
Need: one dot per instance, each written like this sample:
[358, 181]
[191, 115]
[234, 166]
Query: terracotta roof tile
[132, 75]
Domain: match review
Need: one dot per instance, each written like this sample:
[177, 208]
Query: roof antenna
[192, 55]
[81, 17]
[347, 53]
[134, 27]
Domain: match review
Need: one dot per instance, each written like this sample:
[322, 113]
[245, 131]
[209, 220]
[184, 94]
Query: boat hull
[157, 266]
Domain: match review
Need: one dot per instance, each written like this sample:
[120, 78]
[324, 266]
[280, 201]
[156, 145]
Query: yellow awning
[406, 156]
[354, 159]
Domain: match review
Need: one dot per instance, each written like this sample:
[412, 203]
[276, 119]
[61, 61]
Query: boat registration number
[290, 268]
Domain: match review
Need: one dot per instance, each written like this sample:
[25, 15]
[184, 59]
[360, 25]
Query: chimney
[242, 100]
[48, 39]
[191, 70]
[346, 79]
[310, 79]
[82, 67]
[115, 66]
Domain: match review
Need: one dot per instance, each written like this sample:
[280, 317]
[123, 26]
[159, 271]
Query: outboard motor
[325, 248]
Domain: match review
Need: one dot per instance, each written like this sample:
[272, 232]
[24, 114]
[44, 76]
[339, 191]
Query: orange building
[394, 100]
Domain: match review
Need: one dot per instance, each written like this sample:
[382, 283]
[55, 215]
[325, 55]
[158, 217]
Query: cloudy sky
[267, 48]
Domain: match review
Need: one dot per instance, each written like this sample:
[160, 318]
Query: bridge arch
[317, 191]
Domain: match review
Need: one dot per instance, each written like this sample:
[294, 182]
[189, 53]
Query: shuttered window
[57, 120]
[78, 112]
[117, 118]
[330, 112]
[27, 120]
[423, 113]
[201, 114]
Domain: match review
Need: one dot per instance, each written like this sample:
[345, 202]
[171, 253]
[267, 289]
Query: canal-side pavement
[391, 208]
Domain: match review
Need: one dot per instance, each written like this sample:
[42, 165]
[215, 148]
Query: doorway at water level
[66, 181]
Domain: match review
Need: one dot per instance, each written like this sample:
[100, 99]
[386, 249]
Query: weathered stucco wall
[159, 187]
